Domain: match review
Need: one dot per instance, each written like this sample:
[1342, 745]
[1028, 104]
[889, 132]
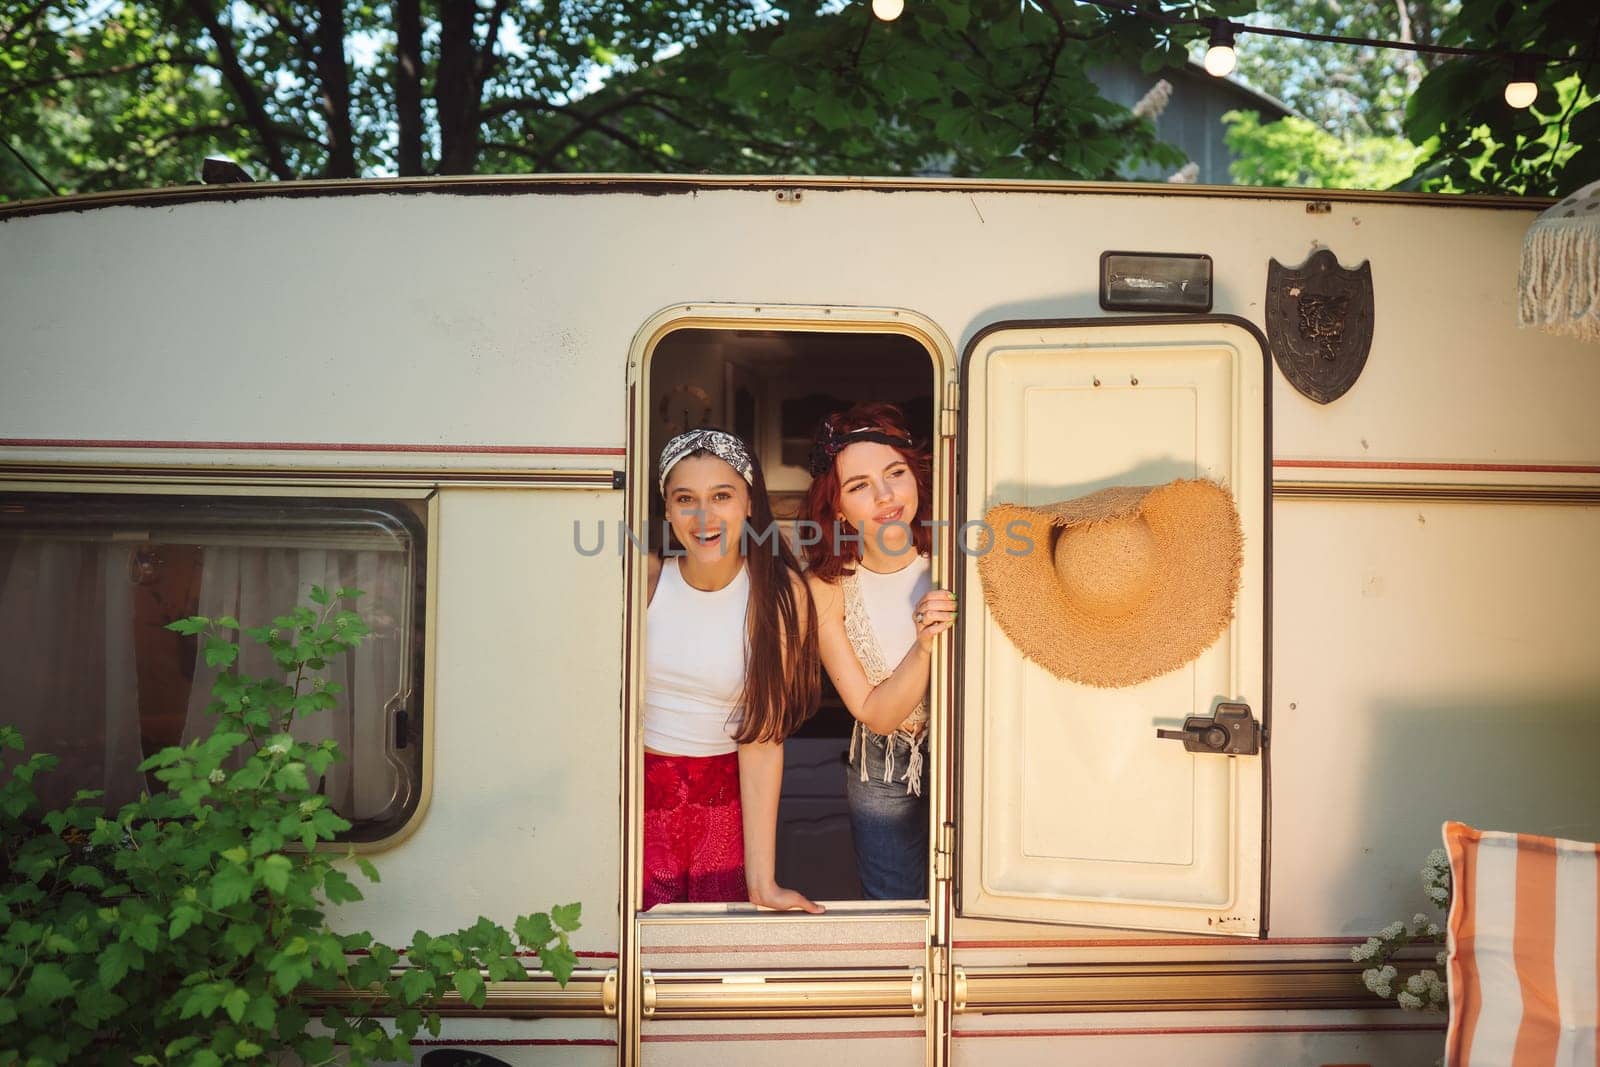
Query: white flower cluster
[1366, 950]
[278, 748]
[1436, 877]
[1377, 979]
[217, 777]
[1423, 990]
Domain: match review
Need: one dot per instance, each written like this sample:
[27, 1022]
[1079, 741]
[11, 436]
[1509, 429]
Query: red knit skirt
[693, 830]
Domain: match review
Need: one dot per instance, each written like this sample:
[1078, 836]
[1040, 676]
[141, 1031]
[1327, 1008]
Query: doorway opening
[772, 387]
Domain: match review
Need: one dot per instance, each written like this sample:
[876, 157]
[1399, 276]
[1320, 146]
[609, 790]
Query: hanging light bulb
[1220, 56]
[1521, 90]
[888, 10]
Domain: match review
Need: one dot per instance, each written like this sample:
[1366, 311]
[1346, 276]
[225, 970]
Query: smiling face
[707, 503]
[877, 487]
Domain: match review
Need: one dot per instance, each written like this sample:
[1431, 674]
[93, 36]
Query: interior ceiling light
[1522, 90]
[888, 10]
[1220, 56]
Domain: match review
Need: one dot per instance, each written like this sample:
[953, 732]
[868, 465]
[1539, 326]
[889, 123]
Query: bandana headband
[725, 446]
[830, 443]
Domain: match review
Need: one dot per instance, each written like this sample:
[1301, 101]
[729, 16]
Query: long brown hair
[830, 557]
[782, 668]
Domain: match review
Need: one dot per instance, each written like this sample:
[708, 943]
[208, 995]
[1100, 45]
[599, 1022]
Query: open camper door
[1071, 808]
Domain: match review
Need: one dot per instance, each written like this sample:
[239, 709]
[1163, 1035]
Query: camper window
[89, 582]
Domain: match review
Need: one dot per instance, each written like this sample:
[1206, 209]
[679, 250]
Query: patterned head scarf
[829, 442]
[725, 446]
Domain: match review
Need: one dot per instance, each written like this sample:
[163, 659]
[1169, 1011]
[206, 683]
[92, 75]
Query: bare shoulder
[828, 597]
[653, 576]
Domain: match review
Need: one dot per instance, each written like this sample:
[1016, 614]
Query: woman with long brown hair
[730, 672]
[878, 615]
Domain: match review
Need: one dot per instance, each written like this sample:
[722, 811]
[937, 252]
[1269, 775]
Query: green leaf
[242, 937]
[246, 1050]
[534, 930]
[115, 961]
[89, 877]
[566, 916]
[235, 1003]
[220, 653]
[367, 868]
[231, 884]
[190, 626]
[469, 983]
[48, 984]
[415, 983]
[320, 595]
[339, 889]
[274, 872]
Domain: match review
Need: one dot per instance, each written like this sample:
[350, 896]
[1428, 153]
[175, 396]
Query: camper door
[1072, 808]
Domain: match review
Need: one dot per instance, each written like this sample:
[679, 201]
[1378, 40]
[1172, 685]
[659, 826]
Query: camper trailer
[451, 394]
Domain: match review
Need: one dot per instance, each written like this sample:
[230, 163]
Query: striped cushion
[1524, 950]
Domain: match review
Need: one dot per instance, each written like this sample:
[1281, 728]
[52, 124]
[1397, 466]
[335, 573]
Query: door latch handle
[1230, 730]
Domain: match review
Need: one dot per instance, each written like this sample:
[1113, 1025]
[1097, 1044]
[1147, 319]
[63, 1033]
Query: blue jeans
[890, 825]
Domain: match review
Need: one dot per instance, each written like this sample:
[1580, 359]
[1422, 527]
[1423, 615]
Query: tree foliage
[190, 928]
[1295, 151]
[1478, 143]
[132, 94]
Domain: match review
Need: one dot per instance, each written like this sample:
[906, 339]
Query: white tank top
[890, 599]
[694, 664]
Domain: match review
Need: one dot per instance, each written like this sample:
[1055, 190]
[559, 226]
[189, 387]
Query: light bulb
[1521, 90]
[1521, 94]
[1220, 60]
[888, 10]
[1220, 56]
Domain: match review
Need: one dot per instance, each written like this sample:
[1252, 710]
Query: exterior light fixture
[1521, 90]
[1220, 56]
[888, 10]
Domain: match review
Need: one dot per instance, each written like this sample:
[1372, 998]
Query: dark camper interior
[771, 388]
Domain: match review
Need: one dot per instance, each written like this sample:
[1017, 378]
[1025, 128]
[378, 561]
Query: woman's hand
[934, 614]
[776, 897]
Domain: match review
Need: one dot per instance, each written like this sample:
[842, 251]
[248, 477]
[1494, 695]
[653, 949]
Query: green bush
[188, 928]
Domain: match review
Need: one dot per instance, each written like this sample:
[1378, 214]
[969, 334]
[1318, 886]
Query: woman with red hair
[877, 617]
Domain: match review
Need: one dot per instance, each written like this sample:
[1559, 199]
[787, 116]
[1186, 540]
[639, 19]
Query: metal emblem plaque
[1319, 323]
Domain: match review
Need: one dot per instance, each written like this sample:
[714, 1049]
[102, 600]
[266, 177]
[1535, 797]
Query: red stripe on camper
[1148, 942]
[511, 1042]
[836, 946]
[1534, 952]
[1169, 1031]
[315, 446]
[1384, 465]
[788, 1035]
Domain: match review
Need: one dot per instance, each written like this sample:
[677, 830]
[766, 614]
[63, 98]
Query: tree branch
[89, 75]
[334, 75]
[408, 84]
[244, 89]
[24, 20]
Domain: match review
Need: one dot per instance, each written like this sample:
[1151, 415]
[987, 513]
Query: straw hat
[1121, 585]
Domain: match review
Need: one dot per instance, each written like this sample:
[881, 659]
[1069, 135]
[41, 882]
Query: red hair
[832, 556]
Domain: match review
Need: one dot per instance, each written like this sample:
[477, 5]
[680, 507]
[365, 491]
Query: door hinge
[938, 974]
[952, 409]
[944, 853]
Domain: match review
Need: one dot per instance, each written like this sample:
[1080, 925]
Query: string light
[1220, 56]
[1522, 90]
[888, 10]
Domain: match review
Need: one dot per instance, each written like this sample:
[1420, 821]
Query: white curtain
[67, 664]
[257, 584]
